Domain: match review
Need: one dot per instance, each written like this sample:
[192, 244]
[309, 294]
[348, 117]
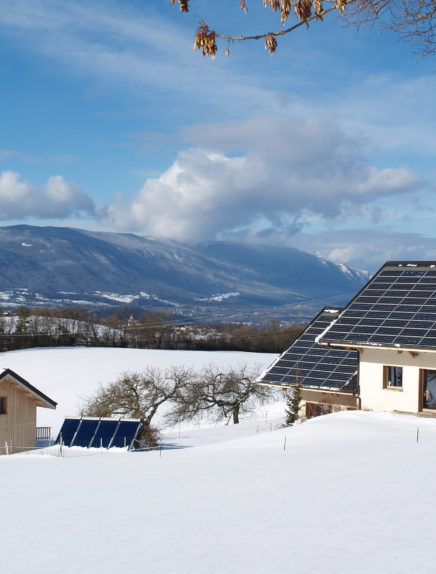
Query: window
[317, 409]
[429, 389]
[2, 405]
[393, 377]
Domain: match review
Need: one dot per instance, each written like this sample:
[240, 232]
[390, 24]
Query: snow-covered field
[349, 493]
[352, 493]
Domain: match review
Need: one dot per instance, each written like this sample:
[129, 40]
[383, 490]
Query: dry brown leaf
[205, 40]
[271, 43]
[285, 10]
[303, 10]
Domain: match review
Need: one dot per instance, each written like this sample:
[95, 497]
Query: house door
[429, 390]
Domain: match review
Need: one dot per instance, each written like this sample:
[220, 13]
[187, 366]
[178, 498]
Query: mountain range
[61, 266]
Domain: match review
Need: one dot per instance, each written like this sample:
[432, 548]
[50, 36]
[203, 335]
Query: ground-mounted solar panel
[105, 431]
[404, 306]
[126, 433]
[99, 432]
[68, 430]
[85, 432]
[312, 365]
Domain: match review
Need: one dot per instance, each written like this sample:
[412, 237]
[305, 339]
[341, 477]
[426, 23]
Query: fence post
[6, 447]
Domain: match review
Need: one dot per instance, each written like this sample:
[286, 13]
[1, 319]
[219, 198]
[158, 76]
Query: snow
[70, 374]
[221, 297]
[350, 492]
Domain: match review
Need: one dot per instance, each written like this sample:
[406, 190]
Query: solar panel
[313, 365]
[68, 430]
[98, 432]
[85, 432]
[126, 433]
[105, 431]
[404, 308]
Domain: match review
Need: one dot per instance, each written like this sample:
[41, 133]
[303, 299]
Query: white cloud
[267, 174]
[368, 248]
[55, 199]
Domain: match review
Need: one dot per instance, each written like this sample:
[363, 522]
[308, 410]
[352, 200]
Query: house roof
[41, 399]
[315, 366]
[395, 309]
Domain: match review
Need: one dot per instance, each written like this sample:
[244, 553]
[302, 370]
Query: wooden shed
[18, 403]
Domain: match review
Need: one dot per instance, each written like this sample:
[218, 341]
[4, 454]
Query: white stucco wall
[374, 396]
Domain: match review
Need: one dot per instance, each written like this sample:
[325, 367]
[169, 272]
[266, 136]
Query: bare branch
[413, 20]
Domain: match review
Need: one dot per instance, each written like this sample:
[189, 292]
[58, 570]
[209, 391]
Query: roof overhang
[358, 346]
[40, 398]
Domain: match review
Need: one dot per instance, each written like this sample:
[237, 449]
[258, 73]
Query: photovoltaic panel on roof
[313, 365]
[397, 308]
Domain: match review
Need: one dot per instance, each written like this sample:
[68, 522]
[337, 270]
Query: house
[327, 375]
[18, 402]
[391, 324]
[377, 353]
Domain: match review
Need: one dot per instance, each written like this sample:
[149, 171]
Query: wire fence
[52, 448]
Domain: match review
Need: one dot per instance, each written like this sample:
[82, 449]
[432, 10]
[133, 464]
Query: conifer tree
[293, 400]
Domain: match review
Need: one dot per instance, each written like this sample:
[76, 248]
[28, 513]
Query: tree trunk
[236, 415]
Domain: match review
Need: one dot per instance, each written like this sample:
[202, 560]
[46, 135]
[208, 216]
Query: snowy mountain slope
[61, 266]
[351, 493]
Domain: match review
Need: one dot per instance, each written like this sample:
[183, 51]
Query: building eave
[41, 399]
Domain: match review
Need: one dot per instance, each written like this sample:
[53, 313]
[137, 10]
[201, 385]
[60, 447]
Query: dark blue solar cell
[125, 434]
[104, 433]
[421, 325]
[390, 273]
[382, 309]
[367, 299]
[362, 330]
[85, 432]
[272, 377]
[407, 340]
[413, 272]
[68, 430]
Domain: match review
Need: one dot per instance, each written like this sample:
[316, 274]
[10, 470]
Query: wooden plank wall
[18, 425]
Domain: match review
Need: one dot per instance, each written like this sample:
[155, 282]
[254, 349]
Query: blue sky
[110, 121]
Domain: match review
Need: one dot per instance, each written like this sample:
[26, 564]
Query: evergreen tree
[293, 400]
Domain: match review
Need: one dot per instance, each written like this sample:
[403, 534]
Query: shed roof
[41, 399]
[395, 309]
[312, 365]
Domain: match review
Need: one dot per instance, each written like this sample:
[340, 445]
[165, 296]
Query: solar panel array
[397, 308]
[314, 365]
[99, 432]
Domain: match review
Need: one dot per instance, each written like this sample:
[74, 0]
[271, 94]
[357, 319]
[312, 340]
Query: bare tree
[137, 395]
[226, 394]
[414, 20]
